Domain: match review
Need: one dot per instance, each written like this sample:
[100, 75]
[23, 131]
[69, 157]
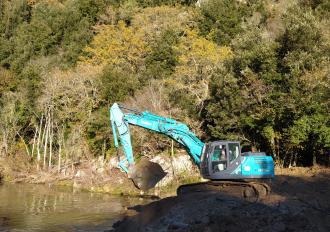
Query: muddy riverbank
[100, 176]
[299, 202]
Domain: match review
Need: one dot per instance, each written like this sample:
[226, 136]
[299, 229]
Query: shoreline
[297, 202]
[291, 189]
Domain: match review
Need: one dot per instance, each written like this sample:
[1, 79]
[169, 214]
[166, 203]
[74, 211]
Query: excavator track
[241, 189]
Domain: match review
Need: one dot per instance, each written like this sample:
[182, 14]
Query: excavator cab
[223, 160]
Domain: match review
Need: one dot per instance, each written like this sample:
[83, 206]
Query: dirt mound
[297, 203]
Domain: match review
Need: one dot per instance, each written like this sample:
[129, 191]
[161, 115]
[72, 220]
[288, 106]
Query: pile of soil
[299, 201]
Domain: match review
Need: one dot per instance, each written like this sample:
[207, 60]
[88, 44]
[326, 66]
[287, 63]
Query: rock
[177, 226]
[80, 174]
[113, 163]
[279, 226]
[178, 165]
[100, 170]
[76, 185]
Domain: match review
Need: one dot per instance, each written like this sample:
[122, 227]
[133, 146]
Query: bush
[162, 59]
[221, 19]
[116, 85]
[50, 26]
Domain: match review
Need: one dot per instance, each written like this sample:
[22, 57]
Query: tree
[7, 81]
[155, 21]
[116, 85]
[119, 45]
[277, 96]
[44, 28]
[197, 61]
[162, 59]
[221, 19]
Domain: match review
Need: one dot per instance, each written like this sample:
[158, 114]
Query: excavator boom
[179, 132]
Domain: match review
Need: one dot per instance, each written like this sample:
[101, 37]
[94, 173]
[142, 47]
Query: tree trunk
[4, 142]
[314, 159]
[38, 143]
[47, 125]
[51, 144]
[34, 140]
[59, 157]
[291, 160]
[25, 145]
[295, 160]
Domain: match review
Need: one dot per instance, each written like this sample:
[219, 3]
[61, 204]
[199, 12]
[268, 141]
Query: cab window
[233, 151]
[219, 158]
[216, 153]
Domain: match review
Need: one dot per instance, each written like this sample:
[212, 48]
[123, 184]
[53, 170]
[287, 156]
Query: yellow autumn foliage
[117, 45]
[198, 50]
[197, 61]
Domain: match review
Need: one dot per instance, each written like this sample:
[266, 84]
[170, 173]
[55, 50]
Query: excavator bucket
[146, 174]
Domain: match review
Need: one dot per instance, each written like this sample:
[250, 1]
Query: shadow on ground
[295, 204]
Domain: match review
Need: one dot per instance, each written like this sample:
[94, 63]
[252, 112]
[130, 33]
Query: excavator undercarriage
[240, 189]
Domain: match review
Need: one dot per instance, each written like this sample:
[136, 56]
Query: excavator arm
[177, 131]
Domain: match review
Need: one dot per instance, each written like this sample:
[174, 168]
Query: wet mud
[299, 202]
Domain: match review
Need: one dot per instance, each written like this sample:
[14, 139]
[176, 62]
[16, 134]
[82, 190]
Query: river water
[28, 207]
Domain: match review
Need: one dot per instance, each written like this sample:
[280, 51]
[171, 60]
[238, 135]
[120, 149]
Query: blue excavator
[221, 162]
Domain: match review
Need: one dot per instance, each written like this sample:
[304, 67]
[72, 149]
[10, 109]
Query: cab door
[233, 152]
[219, 158]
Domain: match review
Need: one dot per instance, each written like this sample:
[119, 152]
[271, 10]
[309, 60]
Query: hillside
[254, 71]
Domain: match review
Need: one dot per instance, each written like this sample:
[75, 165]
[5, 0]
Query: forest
[257, 71]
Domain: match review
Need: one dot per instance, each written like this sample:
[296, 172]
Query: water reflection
[25, 207]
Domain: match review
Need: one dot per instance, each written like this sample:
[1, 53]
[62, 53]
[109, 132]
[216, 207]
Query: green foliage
[116, 85]
[247, 74]
[162, 59]
[152, 3]
[321, 7]
[31, 39]
[310, 136]
[8, 81]
[98, 131]
[30, 80]
[303, 39]
[50, 25]
[12, 14]
[274, 94]
[223, 111]
[221, 19]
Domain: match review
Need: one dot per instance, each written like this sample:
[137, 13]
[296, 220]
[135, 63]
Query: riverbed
[29, 207]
